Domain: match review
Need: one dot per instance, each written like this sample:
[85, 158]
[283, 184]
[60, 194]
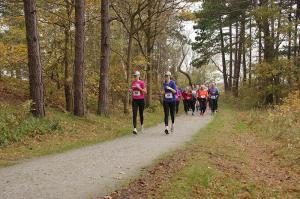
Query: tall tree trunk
[244, 64]
[67, 79]
[259, 44]
[237, 67]
[223, 58]
[128, 71]
[79, 79]
[289, 53]
[67, 67]
[250, 54]
[236, 46]
[103, 102]
[149, 54]
[34, 59]
[231, 57]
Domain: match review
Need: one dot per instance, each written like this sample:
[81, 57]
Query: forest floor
[227, 159]
[95, 170]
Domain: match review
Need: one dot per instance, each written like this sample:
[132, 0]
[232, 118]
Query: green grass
[210, 169]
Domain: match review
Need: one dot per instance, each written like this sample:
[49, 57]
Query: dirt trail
[95, 170]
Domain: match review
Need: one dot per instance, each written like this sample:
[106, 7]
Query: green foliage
[16, 124]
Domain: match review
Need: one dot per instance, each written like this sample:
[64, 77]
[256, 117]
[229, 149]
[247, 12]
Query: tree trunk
[67, 67]
[231, 57]
[128, 68]
[67, 79]
[237, 67]
[259, 45]
[250, 54]
[79, 79]
[103, 102]
[34, 59]
[223, 59]
[149, 55]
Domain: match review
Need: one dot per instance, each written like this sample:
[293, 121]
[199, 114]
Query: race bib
[136, 93]
[168, 95]
[213, 97]
[202, 96]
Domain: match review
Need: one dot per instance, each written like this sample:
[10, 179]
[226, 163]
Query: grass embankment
[240, 154]
[23, 136]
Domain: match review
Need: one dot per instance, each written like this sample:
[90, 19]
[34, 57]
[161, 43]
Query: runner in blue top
[169, 103]
[213, 93]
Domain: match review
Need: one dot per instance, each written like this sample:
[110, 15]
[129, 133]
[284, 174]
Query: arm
[173, 88]
[143, 89]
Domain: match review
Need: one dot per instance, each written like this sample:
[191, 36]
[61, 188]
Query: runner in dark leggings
[178, 98]
[169, 101]
[186, 96]
[202, 97]
[138, 103]
[213, 95]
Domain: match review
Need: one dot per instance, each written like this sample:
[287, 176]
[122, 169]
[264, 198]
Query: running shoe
[142, 129]
[166, 131]
[172, 128]
[134, 131]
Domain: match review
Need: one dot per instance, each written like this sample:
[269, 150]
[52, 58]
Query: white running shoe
[142, 129]
[134, 131]
[167, 130]
[172, 128]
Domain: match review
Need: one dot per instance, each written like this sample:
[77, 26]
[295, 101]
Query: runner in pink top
[178, 99]
[138, 91]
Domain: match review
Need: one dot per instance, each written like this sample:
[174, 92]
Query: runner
[186, 96]
[138, 103]
[193, 99]
[178, 98]
[202, 96]
[213, 95]
[169, 103]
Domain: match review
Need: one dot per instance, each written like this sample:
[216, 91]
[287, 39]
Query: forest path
[95, 170]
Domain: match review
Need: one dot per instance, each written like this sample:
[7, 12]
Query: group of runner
[195, 98]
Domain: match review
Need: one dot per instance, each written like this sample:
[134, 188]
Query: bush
[17, 123]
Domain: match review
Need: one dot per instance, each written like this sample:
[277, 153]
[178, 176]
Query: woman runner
[138, 103]
[202, 96]
[169, 101]
[186, 96]
[178, 98]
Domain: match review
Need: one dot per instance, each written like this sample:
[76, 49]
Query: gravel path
[95, 170]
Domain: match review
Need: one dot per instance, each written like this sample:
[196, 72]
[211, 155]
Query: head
[213, 85]
[136, 75]
[202, 87]
[168, 76]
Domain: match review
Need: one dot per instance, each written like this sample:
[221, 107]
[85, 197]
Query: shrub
[17, 123]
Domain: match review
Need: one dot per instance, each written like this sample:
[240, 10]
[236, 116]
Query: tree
[79, 101]
[103, 103]
[34, 59]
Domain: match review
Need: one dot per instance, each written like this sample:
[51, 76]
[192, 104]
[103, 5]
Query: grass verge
[230, 158]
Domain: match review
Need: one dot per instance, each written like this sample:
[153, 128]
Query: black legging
[203, 104]
[169, 107]
[186, 105]
[177, 106]
[213, 104]
[192, 104]
[138, 104]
